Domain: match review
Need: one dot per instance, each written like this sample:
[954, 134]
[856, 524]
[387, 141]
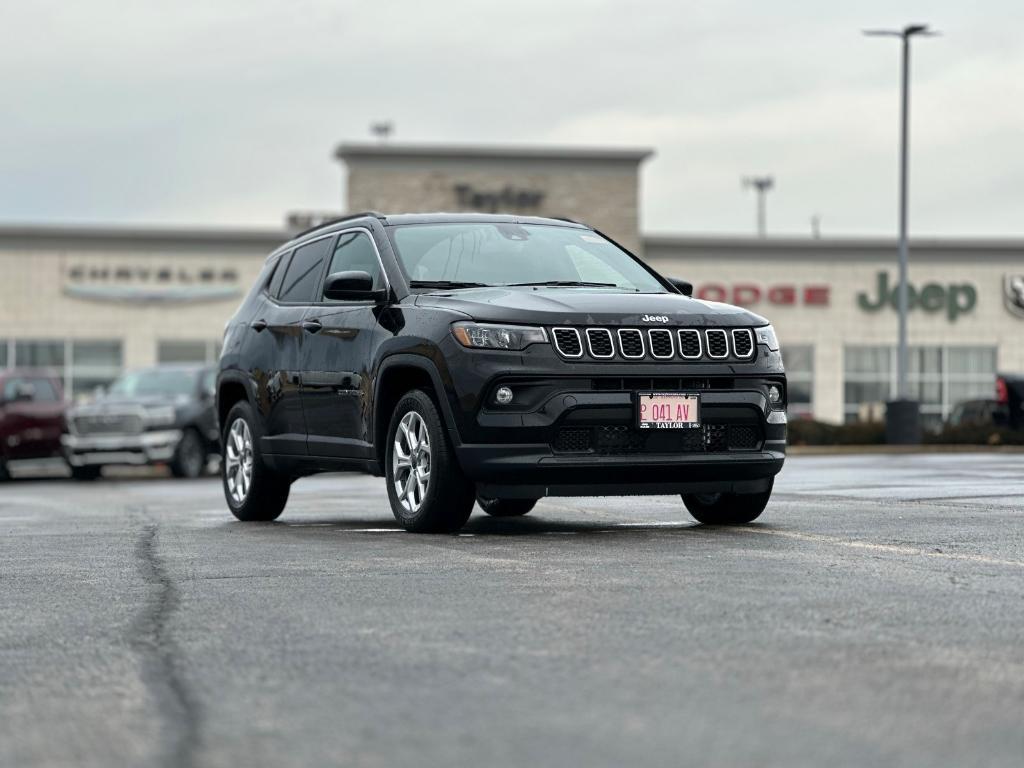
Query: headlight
[160, 417]
[486, 336]
[766, 336]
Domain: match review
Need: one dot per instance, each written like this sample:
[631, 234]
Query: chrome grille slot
[718, 343]
[567, 342]
[661, 343]
[742, 342]
[631, 343]
[109, 424]
[690, 346]
[599, 342]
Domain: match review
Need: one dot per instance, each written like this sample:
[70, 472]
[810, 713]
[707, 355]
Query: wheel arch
[232, 388]
[397, 375]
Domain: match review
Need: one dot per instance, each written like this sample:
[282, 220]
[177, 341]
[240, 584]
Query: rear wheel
[505, 507]
[252, 489]
[726, 508]
[426, 487]
[190, 456]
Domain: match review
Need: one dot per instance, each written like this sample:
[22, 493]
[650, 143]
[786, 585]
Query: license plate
[667, 410]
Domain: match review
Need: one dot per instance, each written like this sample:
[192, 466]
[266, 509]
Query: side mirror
[682, 286]
[351, 285]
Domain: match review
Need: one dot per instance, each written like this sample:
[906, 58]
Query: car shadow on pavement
[483, 526]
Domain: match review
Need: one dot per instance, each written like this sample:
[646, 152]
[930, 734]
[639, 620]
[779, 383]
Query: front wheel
[505, 507]
[252, 489]
[426, 487]
[727, 508]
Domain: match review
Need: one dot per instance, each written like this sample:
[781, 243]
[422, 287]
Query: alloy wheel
[238, 460]
[411, 461]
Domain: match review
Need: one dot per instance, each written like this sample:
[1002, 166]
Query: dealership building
[90, 302]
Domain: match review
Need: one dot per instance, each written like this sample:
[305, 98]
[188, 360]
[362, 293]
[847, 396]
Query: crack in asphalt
[177, 707]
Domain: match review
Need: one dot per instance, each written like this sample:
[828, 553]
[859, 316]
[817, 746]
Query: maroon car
[31, 416]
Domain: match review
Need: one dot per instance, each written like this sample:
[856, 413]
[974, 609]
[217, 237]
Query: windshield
[156, 381]
[464, 255]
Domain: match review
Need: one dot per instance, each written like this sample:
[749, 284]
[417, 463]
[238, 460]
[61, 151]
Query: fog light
[503, 396]
[774, 394]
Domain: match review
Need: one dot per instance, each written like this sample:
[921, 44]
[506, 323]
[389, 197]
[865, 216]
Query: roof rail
[330, 222]
[566, 218]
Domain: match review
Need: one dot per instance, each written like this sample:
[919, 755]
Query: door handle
[259, 325]
[312, 326]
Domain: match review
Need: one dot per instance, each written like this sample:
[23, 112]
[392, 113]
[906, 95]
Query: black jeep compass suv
[495, 359]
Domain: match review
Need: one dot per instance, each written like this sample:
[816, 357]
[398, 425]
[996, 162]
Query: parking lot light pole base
[903, 422]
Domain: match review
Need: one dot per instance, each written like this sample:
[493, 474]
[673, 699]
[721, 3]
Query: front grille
[567, 342]
[742, 342]
[718, 343]
[743, 438]
[689, 343]
[622, 439]
[631, 343]
[661, 343]
[599, 341]
[108, 424]
[655, 344]
[572, 440]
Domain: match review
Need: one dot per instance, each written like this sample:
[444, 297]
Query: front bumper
[739, 448]
[532, 471]
[99, 450]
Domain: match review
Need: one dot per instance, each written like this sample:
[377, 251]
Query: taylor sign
[954, 299]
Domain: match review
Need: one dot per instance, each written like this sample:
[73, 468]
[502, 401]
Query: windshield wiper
[562, 284]
[444, 284]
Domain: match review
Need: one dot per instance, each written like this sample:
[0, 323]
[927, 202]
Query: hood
[583, 306]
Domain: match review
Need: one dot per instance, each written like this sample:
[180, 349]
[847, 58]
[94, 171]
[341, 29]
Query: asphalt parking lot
[874, 615]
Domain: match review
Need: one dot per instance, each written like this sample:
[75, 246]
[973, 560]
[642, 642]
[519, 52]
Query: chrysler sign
[151, 284]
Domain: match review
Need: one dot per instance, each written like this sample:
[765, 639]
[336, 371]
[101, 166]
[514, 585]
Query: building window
[187, 351]
[799, 361]
[40, 354]
[94, 364]
[939, 377]
[81, 365]
[4, 344]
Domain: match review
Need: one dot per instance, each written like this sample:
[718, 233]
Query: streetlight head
[916, 29]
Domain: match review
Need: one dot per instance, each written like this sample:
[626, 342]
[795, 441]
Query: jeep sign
[954, 299]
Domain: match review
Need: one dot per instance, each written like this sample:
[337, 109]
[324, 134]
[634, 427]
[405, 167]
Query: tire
[506, 507]
[253, 491]
[4, 474]
[87, 473]
[190, 456]
[727, 508]
[426, 487]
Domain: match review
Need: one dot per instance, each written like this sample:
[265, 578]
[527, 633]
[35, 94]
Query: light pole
[903, 422]
[762, 184]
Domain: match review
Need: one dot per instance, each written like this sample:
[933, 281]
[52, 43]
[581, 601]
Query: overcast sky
[223, 112]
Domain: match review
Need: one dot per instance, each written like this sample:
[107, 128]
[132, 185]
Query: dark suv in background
[494, 359]
[161, 415]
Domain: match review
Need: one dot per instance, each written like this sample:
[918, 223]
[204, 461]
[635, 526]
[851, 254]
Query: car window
[41, 390]
[278, 278]
[303, 272]
[355, 251]
[516, 254]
